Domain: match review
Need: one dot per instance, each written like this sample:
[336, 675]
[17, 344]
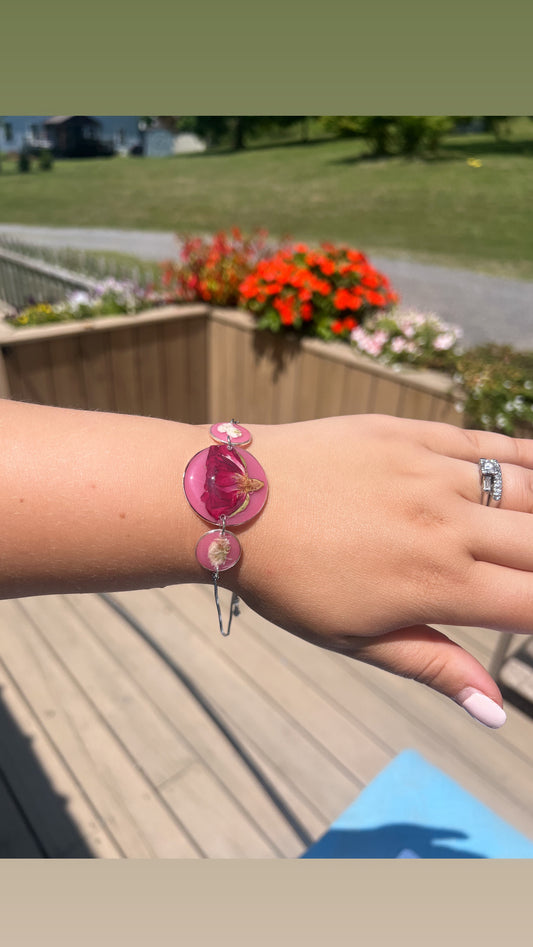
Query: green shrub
[46, 159]
[344, 126]
[497, 389]
[24, 162]
[420, 134]
[392, 134]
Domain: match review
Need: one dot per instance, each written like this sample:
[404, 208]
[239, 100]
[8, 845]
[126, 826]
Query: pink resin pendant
[218, 550]
[222, 483]
[236, 433]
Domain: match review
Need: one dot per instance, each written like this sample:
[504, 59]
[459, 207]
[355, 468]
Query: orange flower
[355, 256]
[327, 266]
[371, 280]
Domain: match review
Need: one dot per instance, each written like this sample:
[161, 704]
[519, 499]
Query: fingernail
[481, 707]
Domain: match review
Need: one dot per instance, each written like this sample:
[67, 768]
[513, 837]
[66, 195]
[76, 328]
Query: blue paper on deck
[413, 810]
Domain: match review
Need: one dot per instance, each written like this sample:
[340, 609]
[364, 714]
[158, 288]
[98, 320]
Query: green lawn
[440, 210]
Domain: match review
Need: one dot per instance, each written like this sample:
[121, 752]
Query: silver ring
[490, 474]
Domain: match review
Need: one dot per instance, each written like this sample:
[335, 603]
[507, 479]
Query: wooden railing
[193, 363]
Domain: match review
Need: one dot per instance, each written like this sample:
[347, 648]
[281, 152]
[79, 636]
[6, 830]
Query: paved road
[486, 307]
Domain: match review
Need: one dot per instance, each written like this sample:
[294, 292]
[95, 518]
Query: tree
[237, 130]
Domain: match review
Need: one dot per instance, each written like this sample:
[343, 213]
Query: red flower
[227, 485]
[375, 299]
[327, 266]
[355, 256]
[300, 286]
[371, 280]
[346, 299]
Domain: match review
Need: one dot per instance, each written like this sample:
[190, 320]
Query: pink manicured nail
[481, 707]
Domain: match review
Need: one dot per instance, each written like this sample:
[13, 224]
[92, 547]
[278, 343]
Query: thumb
[429, 656]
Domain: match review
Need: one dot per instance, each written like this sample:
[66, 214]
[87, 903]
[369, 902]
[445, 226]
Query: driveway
[488, 308]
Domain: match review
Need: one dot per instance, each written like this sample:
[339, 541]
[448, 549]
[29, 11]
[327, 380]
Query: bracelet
[224, 484]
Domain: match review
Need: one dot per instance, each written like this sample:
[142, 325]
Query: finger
[428, 656]
[501, 537]
[471, 445]
[498, 597]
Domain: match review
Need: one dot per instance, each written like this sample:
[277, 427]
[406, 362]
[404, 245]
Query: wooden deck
[146, 735]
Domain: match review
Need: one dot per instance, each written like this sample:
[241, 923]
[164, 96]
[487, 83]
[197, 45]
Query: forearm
[373, 528]
[92, 501]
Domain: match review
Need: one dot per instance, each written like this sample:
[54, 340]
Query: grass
[440, 210]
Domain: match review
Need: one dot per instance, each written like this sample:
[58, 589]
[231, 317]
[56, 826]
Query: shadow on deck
[130, 729]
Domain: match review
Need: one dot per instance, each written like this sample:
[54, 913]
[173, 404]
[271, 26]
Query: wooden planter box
[194, 363]
[272, 380]
[154, 363]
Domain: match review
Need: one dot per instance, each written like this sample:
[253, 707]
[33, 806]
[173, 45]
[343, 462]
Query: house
[84, 136]
[76, 136]
[19, 132]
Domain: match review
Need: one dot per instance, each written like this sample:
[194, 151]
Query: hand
[374, 527]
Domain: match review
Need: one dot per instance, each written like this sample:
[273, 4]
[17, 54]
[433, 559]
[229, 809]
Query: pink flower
[398, 345]
[444, 341]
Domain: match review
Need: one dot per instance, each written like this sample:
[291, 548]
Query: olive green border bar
[282, 57]
[242, 58]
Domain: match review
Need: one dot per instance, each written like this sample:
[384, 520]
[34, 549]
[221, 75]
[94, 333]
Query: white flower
[80, 298]
[444, 341]
[398, 345]
[219, 551]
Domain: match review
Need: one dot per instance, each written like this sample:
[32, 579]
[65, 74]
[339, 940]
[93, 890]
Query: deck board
[113, 745]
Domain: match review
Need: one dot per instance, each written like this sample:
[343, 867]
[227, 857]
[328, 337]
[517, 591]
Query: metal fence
[24, 281]
[30, 273]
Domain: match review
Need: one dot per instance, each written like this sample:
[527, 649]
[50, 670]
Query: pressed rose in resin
[227, 484]
[222, 482]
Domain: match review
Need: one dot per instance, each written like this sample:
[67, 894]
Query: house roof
[61, 119]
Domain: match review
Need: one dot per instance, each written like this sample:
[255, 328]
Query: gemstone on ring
[491, 478]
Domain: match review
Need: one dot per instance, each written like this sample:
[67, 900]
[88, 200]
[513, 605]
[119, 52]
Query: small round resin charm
[218, 550]
[222, 483]
[236, 433]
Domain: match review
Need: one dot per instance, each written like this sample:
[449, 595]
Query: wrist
[226, 486]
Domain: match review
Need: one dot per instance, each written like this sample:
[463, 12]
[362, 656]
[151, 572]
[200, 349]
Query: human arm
[372, 529]
[93, 501]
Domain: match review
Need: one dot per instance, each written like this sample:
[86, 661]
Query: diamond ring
[490, 474]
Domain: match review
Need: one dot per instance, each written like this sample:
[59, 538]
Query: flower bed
[408, 339]
[111, 297]
[321, 292]
[329, 293]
